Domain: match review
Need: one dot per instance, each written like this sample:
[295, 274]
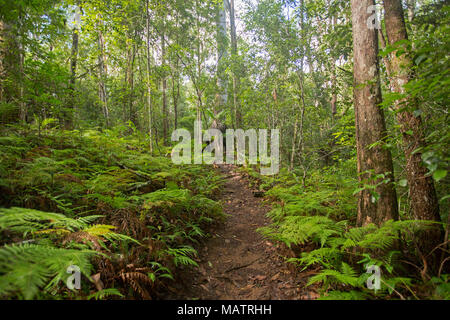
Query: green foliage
[27, 269]
[102, 294]
[72, 179]
[320, 218]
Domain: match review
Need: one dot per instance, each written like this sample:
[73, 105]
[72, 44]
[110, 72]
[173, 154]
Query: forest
[93, 206]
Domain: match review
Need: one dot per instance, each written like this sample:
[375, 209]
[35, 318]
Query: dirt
[237, 262]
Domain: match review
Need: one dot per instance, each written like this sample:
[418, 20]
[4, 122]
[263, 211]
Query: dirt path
[237, 262]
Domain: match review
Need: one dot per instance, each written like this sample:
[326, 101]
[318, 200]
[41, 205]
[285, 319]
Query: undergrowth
[317, 223]
[101, 202]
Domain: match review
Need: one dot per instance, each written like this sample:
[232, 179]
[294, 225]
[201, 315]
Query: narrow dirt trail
[237, 262]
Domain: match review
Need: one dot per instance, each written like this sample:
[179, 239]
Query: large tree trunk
[424, 201]
[370, 124]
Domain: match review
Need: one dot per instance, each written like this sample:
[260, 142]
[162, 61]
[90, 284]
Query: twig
[242, 266]
[393, 289]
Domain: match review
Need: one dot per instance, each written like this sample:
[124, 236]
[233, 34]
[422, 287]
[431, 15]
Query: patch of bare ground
[237, 262]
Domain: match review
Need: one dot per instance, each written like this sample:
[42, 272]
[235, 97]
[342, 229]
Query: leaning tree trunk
[380, 204]
[424, 201]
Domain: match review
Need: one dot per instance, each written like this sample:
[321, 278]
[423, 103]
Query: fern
[183, 255]
[28, 268]
[102, 294]
[344, 295]
[27, 221]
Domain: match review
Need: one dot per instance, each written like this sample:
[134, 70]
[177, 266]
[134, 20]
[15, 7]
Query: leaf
[439, 174]
[421, 58]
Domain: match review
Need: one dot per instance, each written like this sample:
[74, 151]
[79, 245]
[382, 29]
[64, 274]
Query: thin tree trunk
[237, 115]
[302, 115]
[294, 144]
[149, 84]
[22, 103]
[2, 59]
[130, 82]
[164, 88]
[222, 53]
[411, 9]
[73, 72]
[175, 98]
[370, 124]
[102, 75]
[301, 88]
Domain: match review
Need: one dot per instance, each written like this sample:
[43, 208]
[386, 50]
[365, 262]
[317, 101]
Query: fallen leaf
[97, 281]
[204, 287]
[275, 277]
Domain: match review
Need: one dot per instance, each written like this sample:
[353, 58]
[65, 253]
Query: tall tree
[102, 71]
[68, 119]
[222, 54]
[149, 82]
[237, 115]
[378, 201]
[164, 88]
[424, 201]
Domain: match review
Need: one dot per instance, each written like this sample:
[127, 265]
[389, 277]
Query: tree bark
[236, 80]
[149, 84]
[370, 124]
[69, 117]
[424, 201]
[164, 89]
[2, 59]
[222, 53]
[102, 93]
[130, 82]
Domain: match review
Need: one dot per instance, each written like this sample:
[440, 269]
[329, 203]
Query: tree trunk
[222, 53]
[381, 205]
[73, 72]
[411, 9]
[2, 59]
[237, 115]
[294, 144]
[149, 84]
[130, 83]
[424, 201]
[102, 93]
[164, 88]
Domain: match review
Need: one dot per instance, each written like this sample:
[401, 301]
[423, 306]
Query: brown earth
[237, 262]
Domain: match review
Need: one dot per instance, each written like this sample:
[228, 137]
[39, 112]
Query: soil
[237, 262]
